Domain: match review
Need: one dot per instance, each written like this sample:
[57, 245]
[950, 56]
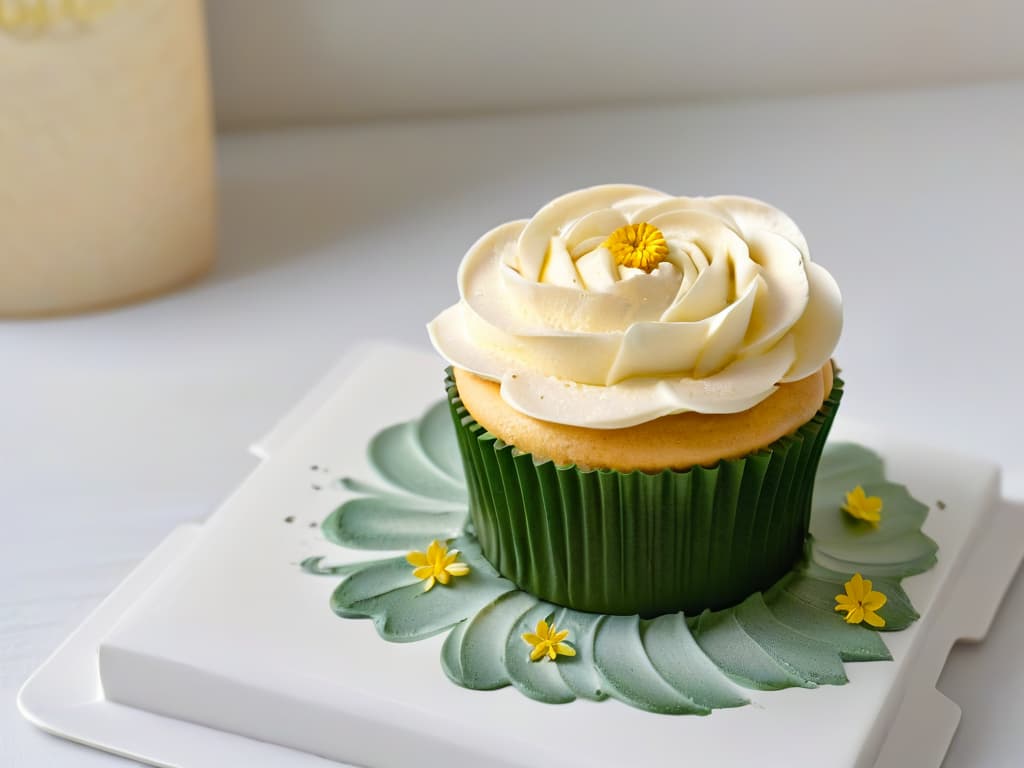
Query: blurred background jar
[106, 152]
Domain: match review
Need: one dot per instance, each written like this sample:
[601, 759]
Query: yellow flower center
[641, 246]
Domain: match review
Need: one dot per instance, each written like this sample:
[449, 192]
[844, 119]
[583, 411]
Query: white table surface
[117, 426]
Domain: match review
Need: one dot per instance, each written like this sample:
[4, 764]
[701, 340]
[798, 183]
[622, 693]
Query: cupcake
[641, 386]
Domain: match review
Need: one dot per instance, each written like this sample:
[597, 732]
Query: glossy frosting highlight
[576, 337]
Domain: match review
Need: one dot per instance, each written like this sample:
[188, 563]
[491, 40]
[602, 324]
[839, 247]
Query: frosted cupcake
[641, 386]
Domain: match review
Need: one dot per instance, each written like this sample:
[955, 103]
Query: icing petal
[544, 309]
[690, 259]
[753, 215]
[448, 334]
[557, 215]
[817, 331]
[598, 270]
[726, 333]
[491, 353]
[738, 387]
[723, 249]
[699, 204]
[784, 294]
[558, 266]
[708, 294]
[595, 225]
[741, 385]
[650, 349]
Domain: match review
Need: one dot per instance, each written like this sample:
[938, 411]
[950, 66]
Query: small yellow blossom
[436, 565]
[863, 507]
[640, 246]
[548, 641]
[860, 602]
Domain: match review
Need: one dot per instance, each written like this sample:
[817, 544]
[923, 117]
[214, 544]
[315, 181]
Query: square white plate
[220, 633]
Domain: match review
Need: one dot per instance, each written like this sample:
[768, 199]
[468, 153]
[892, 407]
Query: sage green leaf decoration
[426, 498]
[895, 547]
[757, 650]
[818, 587]
[629, 673]
[388, 593]
[789, 636]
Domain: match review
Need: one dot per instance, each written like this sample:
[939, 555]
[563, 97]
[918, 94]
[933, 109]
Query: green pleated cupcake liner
[627, 543]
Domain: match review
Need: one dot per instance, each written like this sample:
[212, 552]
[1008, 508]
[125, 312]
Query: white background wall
[318, 60]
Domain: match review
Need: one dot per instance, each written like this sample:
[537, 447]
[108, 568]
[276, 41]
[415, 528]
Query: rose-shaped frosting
[618, 304]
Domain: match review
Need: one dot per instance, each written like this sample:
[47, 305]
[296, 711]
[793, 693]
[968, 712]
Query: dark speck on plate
[290, 519]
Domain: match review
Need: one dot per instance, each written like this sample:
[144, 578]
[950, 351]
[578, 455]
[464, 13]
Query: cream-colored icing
[574, 338]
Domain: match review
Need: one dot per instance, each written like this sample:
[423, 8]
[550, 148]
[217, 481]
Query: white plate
[222, 629]
[65, 696]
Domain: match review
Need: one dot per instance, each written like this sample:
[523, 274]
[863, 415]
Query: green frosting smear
[788, 636]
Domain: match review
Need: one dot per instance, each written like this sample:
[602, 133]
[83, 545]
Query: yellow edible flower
[860, 602]
[436, 565]
[548, 641]
[640, 246]
[863, 507]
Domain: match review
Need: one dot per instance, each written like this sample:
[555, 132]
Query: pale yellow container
[106, 152]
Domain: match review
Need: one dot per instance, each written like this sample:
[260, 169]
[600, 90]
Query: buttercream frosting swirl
[576, 336]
